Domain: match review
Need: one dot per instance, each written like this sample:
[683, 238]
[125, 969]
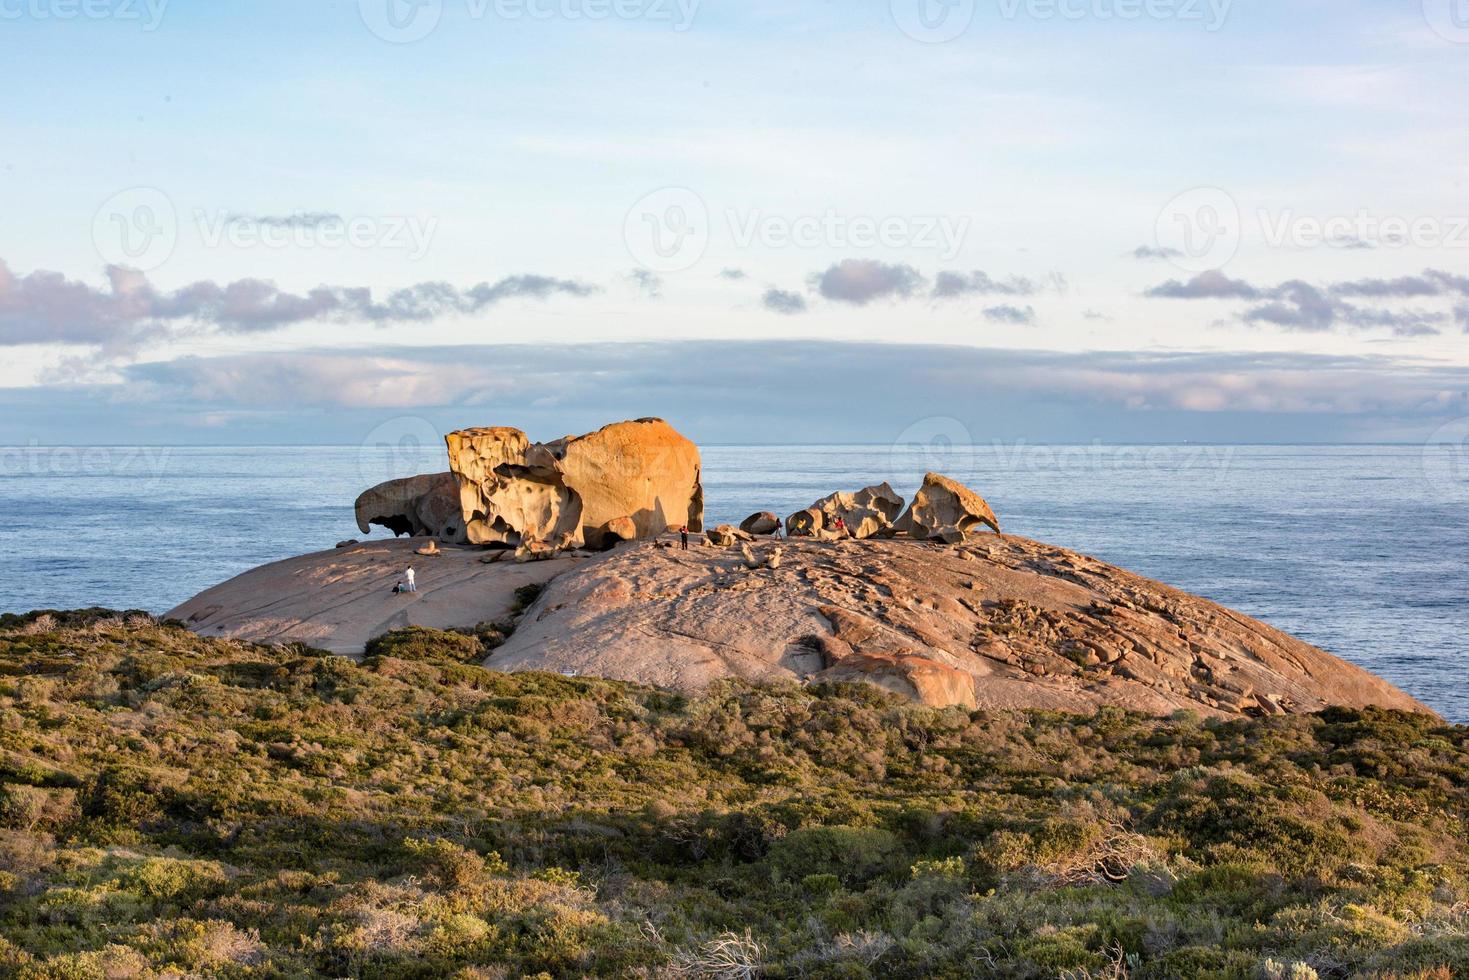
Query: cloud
[782, 301]
[1010, 314]
[1427, 284]
[733, 275]
[862, 281]
[1205, 285]
[1096, 315]
[1149, 253]
[303, 219]
[1299, 305]
[1461, 317]
[949, 285]
[815, 388]
[753, 391]
[46, 307]
[650, 284]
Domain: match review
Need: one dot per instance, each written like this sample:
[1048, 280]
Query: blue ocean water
[1358, 549]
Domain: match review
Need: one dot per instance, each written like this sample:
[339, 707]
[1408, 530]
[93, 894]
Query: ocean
[1358, 549]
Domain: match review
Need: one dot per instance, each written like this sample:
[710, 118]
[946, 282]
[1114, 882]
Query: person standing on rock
[412, 583]
[683, 538]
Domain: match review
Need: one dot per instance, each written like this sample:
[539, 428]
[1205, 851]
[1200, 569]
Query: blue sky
[201, 200]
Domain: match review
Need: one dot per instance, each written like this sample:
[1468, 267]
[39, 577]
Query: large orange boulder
[572, 490]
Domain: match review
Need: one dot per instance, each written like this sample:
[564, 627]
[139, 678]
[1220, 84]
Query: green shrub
[418, 643]
[174, 805]
[852, 854]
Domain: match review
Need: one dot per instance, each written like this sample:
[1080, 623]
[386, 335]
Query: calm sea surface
[1363, 550]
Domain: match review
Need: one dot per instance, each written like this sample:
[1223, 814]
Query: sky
[297, 221]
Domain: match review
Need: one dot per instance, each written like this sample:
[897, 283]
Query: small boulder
[727, 536]
[762, 523]
[534, 551]
[430, 549]
[618, 530]
[348, 543]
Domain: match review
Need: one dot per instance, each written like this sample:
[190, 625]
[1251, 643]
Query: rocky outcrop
[417, 506]
[572, 490]
[868, 513]
[995, 622]
[763, 523]
[946, 510]
[341, 599]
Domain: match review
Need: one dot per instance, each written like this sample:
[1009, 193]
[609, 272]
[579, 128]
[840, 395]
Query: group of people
[408, 583]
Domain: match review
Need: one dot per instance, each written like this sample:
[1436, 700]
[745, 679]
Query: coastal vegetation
[173, 805]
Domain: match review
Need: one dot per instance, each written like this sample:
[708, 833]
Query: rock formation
[866, 514]
[763, 523]
[805, 523]
[619, 529]
[512, 491]
[727, 536]
[419, 505]
[339, 600]
[996, 622]
[946, 510]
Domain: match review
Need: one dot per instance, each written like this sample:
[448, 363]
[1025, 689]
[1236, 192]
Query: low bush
[177, 806]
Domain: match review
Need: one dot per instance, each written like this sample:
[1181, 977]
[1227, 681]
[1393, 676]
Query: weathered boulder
[805, 523]
[946, 510]
[619, 529]
[513, 491]
[416, 506]
[429, 549]
[762, 523]
[727, 536]
[868, 513]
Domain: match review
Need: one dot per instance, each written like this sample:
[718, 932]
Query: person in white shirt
[412, 585]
